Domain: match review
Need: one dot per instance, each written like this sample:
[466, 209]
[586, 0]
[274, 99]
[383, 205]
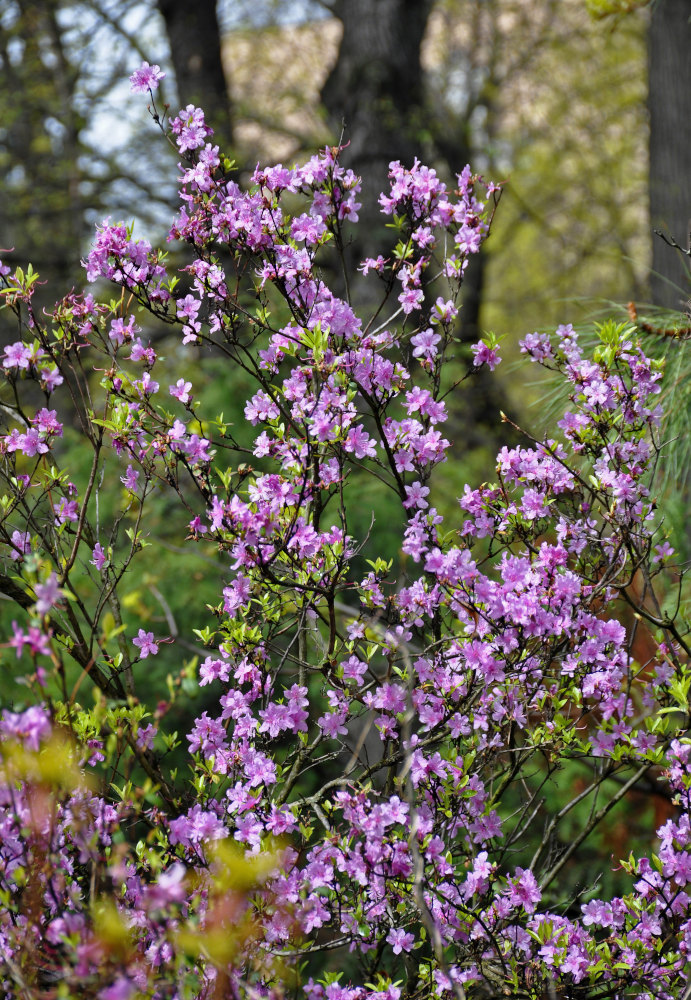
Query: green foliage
[599, 9]
[572, 138]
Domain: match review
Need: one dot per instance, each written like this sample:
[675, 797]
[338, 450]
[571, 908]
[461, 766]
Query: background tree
[669, 102]
[195, 51]
[70, 151]
[669, 106]
[374, 96]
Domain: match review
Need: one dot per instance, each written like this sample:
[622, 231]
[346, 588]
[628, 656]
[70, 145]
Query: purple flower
[523, 890]
[66, 510]
[21, 544]
[444, 311]
[146, 384]
[213, 669]
[30, 726]
[50, 378]
[415, 496]
[181, 390]
[30, 444]
[141, 353]
[98, 557]
[331, 724]
[168, 888]
[146, 643]
[17, 355]
[121, 989]
[46, 422]
[47, 594]
[483, 354]
[411, 299]
[130, 479]
[533, 505]
[123, 332]
[663, 552]
[400, 940]
[425, 344]
[198, 825]
[249, 831]
[307, 228]
[35, 639]
[146, 78]
[259, 769]
[372, 264]
[145, 737]
[190, 128]
[354, 669]
[208, 736]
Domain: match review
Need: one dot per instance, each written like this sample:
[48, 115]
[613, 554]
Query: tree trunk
[375, 92]
[374, 96]
[195, 48]
[669, 103]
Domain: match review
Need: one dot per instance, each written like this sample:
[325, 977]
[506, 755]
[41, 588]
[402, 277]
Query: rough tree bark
[669, 104]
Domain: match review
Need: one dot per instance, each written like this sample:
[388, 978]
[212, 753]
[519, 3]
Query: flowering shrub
[371, 811]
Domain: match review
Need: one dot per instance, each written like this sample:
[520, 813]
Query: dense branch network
[379, 771]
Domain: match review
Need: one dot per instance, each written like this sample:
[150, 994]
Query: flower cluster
[378, 768]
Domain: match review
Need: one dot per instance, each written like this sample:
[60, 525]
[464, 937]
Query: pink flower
[444, 311]
[98, 557]
[145, 737]
[169, 887]
[146, 384]
[425, 344]
[399, 940]
[47, 594]
[46, 422]
[141, 353]
[331, 724]
[122, 332]
[30, 726]
[190, 128]
[121, 989]
[484, 355]
[66, 510]
[146, 78]
[50, 378]
[130, 478]
[411, 299]
[307, 228]
[146, 643]
[17, 355]
[523, 890]
[372, 264]
[663, 552]
[21, 542]
[31, 444]
[415, 496]
[181, 390]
